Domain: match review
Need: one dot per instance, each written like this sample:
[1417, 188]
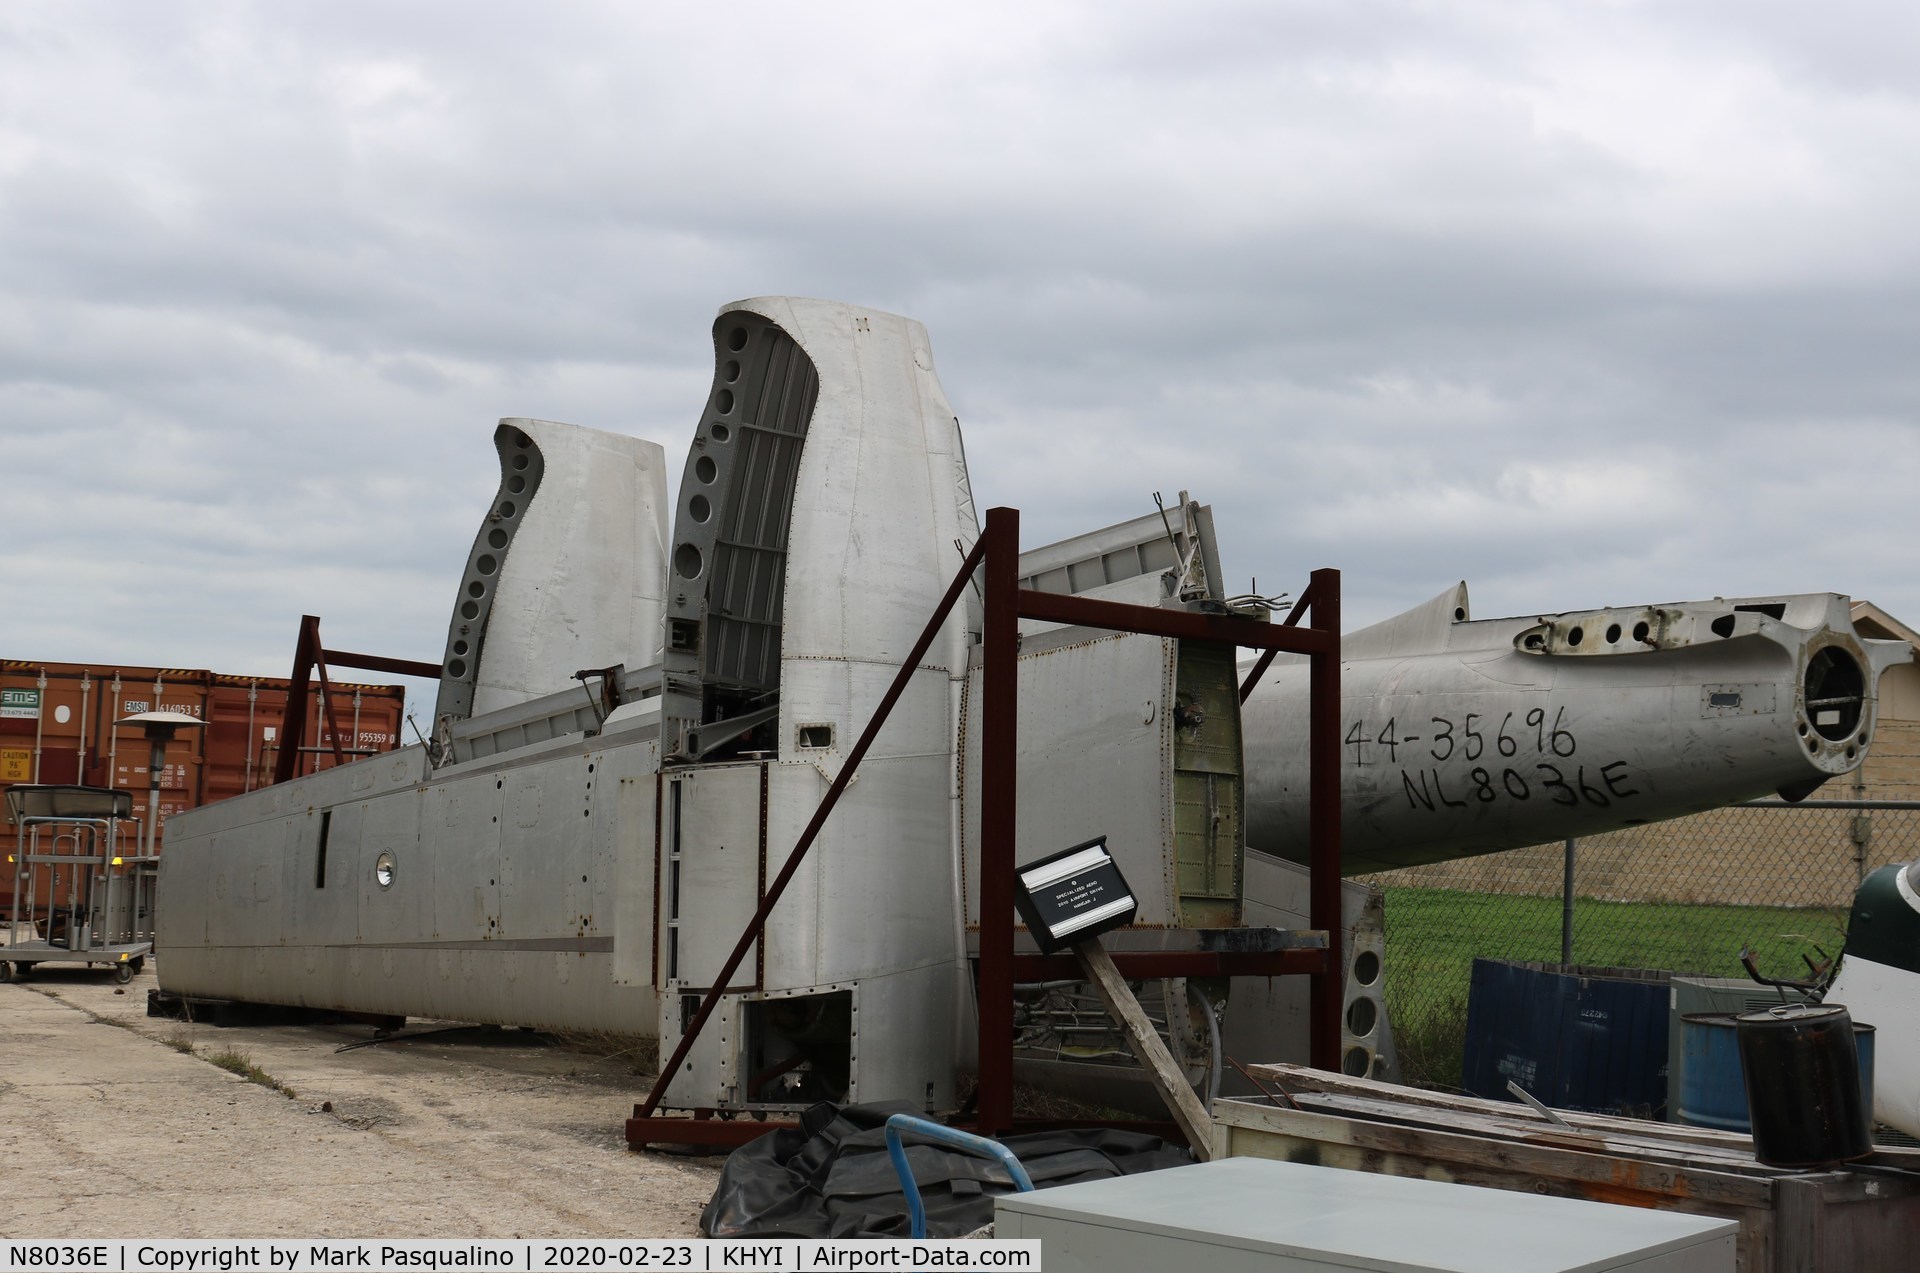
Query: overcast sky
[1584, 304]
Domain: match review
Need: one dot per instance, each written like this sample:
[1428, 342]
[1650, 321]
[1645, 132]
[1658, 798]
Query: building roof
[1870, 620]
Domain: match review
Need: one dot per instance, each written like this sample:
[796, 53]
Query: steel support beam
[326, 700]
[1185, 625]
[1323, 823]
[293, 724]
[309, 657]
[381, 663]
[999, 774]
[1147, 965]
[997, 557]
[1006, 604]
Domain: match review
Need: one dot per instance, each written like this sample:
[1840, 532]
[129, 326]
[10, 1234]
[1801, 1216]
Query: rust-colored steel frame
[1151, 965]
[997, 555]
[310, 658]
[1006, 604]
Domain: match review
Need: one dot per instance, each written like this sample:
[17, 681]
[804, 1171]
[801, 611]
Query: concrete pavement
[117, 1125]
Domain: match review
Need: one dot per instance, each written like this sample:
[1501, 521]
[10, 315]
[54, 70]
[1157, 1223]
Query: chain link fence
[1684, 896]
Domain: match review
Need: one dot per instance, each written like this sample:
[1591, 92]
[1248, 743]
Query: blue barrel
[1713, 1087]
[1713, 1092]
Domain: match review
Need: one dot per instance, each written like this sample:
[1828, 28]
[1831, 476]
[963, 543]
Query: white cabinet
[1277, 1217]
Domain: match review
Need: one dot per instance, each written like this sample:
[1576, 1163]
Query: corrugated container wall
[57, 726]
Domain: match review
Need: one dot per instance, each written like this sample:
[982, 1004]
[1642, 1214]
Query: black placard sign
[1073, 895]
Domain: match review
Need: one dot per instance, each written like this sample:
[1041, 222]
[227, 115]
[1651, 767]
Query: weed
[1430, 1036]
[235, 1061]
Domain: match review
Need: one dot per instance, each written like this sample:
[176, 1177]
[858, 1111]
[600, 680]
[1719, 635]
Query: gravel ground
[114, 1124]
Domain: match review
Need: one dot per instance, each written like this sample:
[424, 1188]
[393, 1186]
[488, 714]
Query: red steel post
[999, 742]
[293, 721]
[326, 701]
[1323, 824]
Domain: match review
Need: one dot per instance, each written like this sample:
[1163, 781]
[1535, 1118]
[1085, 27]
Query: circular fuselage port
[1835, 693]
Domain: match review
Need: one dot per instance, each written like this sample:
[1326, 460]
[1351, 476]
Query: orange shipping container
[57, 726]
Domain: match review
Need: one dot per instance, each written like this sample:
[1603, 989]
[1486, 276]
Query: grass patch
[1434, 935]
[235, 1061]
[1430, 1036]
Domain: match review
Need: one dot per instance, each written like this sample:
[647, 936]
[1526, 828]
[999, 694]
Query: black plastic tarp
[832, 1178]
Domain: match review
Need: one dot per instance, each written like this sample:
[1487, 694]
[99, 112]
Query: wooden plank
[1147, 1047]
[1627, 1177]
[1876, 1232]
[1836, 1186]
[1797, 1210]
[1300, 1078]
[1681, 1153]
[1449, 1121]
[1292, 1078]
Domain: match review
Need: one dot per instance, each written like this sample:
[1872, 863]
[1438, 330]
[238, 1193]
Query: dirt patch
[365, 1112]
[135, 1132]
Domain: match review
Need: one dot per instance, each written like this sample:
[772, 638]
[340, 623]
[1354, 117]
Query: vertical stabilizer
[567, 571]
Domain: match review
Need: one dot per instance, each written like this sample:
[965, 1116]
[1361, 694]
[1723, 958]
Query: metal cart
[77, 897]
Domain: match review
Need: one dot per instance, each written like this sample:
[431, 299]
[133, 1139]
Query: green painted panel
[1207, 787]
[1884, 928]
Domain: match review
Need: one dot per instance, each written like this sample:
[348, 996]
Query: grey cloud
[1583, 305]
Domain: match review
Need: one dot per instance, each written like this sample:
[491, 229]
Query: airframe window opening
[320, 862]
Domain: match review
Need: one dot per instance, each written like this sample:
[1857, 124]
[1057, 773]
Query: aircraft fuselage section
[1487, 743]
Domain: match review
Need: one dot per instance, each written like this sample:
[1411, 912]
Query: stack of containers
[57, 726]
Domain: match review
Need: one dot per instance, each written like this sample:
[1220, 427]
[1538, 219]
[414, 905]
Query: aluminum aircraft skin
[635, 723]
[1465, 737]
